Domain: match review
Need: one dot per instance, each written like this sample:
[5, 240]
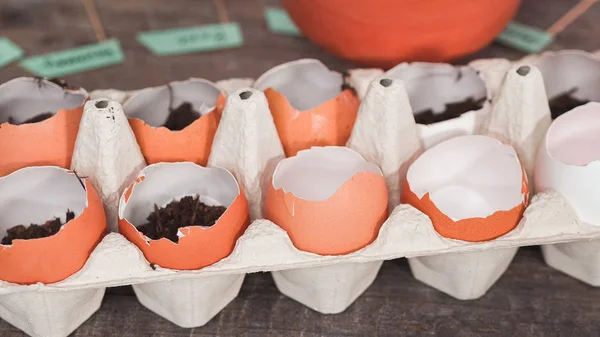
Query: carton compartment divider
[327, 284]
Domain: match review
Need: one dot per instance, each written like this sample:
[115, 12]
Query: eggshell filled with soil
[176, 122]
[39, 123]
[447, 101]
[190, 247]
[571, 78]
[68, 222]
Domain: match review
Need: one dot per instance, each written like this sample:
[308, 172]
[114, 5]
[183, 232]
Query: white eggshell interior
[567, 70]
[26, 97]
[305, 83]
[465, 124]
[574, 138]
[152, 104]
[569, 161]
[468, 176]
[165, 182]
[317, 173]
[433, 85]
[38, 194]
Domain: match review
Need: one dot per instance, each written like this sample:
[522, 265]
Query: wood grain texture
[530, 299]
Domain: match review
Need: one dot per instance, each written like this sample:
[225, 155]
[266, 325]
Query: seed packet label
[192, 39]
[525, 38]
[9, 52]
[75, 60]
[278, 21]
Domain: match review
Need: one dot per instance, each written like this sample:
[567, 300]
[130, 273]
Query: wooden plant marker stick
[570, 16]
[221, 11]
[92, 12]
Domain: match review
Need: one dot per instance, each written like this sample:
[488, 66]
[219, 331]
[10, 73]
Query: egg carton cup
[577, 259]
[563, 70]
[107, 153]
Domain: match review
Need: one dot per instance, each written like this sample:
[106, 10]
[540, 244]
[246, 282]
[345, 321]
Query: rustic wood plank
[530, 299]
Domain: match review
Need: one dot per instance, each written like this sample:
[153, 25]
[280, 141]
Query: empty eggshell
[310, 107]
[198, 246]
[329, 200]
[148, 110]
[36, 195]
[432, 86]
[568, 161]
[473, 188]
[48, 142]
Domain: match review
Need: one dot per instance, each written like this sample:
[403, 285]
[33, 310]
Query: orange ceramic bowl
[383, 33]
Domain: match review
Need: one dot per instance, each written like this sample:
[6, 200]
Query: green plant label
[192, 39]
[75, 60]
[9, 52]
[525, 38]
[278, 21]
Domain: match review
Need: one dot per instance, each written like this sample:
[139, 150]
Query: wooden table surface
[530, 299]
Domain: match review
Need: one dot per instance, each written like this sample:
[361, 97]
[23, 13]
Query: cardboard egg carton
[107, 153]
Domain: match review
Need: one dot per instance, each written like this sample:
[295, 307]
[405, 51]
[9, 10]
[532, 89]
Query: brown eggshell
[473, 229]
[198, 246]
[48, 191]
[159, 144]
[309, 105]
[49, 142]
[328, 124]
[344, 222]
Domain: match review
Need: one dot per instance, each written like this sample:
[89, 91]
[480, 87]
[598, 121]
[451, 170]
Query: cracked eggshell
[308, 104]
[35, 195]
[568, 161]
[432, 86]
[329, 199]
[148, 110]
[569, 71]
[198, 246]
[49, 142]
[473, 188]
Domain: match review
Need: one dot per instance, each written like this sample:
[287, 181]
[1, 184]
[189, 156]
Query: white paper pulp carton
[107, 153]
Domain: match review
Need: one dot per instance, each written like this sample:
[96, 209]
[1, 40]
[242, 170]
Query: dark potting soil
[453, 110]
[34, 231]
[181, 117]
[564, 102]
[345, 85]
[189, 211]
[35, 119]
[58, 81]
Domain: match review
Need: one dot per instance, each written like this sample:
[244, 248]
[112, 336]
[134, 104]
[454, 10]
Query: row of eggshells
[485, 205]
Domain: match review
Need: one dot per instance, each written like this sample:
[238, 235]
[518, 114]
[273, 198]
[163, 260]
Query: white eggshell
[432, 86]
[569, 161]
[570, 70]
